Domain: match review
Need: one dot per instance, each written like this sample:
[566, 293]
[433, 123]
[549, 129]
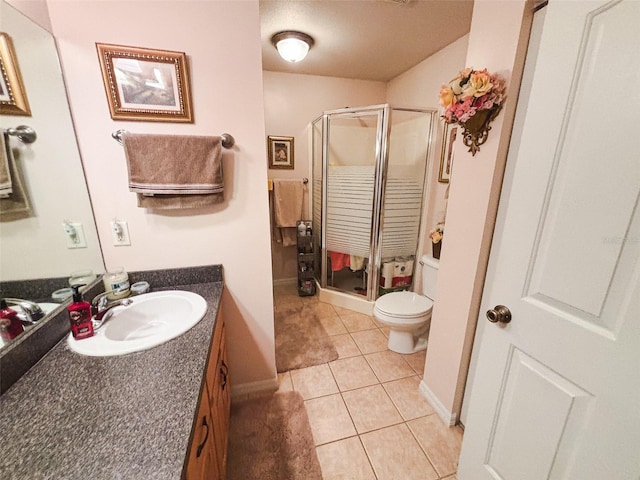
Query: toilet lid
[405, 304]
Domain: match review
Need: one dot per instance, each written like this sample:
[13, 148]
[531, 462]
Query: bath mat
[270, 439]
[301, 341]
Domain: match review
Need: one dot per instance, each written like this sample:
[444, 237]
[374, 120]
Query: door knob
[499, 313]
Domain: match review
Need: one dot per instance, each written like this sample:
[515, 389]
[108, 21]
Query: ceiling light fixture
[291, 45]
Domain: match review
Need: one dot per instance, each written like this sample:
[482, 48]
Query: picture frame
[448, 149]
[281, 152]
[145, 84]
[13, 96]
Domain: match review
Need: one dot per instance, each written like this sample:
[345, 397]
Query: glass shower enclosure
[369, 168]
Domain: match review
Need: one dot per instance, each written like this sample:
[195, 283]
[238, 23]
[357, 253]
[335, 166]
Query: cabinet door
[215, 353]
[220, 409]
[219, 393]
[203, 461]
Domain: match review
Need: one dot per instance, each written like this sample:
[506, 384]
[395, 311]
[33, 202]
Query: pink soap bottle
[10, 324]
[80, 315]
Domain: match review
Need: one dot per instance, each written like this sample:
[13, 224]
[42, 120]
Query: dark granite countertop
[125, 417]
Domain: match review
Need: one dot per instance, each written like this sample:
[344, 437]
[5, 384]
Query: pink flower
[471, 91]
[467, 115]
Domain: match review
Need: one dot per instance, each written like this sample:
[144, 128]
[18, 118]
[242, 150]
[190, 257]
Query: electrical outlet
[74, 234]
[120, 233]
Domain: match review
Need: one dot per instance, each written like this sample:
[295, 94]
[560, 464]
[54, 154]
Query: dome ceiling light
[291, 45]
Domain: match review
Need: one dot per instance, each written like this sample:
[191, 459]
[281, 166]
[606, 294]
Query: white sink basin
[151, 320]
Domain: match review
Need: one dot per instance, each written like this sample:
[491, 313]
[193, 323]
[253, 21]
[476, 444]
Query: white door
[557, 390]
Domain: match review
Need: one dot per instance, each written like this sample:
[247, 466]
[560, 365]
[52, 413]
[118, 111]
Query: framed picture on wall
[13, 98]
[280, 152]
[145, 84]
[446, 158]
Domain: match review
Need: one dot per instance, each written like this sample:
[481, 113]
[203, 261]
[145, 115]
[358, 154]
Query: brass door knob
[500, 314]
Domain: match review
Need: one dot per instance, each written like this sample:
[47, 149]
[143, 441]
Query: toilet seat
[405, 305]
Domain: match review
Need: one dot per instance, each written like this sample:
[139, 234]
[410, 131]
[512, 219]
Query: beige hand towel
[287, 208]
[174, 171]
[16, 205]
[171, 202]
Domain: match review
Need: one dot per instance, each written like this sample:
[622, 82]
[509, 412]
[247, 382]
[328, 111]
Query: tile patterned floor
[368, 419]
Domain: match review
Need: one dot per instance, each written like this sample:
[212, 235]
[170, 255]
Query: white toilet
[408, 314]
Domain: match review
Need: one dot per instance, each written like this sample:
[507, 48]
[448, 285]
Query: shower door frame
[383, 133]
[426, 188]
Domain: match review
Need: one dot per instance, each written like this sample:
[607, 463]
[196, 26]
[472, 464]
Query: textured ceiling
[363, 39]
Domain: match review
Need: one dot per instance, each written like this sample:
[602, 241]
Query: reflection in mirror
[57, 236]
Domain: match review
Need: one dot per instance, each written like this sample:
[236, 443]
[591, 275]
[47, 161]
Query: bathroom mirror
[38, 247]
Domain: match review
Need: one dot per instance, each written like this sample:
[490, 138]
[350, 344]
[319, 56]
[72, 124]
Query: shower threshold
[346, 300]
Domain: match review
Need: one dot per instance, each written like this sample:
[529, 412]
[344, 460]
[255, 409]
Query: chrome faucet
[101, 307]
[30, 312]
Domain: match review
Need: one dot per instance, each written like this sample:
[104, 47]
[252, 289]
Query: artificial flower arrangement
[437, 233]
[436, 236]
[473, 99]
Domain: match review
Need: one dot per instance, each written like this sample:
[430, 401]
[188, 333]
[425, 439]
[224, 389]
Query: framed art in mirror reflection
[13, 98]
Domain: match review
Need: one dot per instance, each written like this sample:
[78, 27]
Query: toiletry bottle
[10, 324]
[80, 316]
[118, 281]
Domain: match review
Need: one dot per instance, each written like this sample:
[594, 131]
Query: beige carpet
[270, 439]
[301, 341]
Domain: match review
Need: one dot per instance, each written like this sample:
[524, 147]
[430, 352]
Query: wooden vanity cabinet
[207, 457]
[203, 461]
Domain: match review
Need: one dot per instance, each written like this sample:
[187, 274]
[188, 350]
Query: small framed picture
[280, 152]
[145, 84]
[446, 158]
[13, 98]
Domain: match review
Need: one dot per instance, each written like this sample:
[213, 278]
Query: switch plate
[120, 233]
[74, 233]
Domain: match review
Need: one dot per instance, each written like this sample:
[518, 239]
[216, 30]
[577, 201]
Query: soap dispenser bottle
[10, 324]
[80, 315]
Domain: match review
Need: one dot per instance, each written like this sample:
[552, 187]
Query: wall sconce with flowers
[436, 235]
[473, 99]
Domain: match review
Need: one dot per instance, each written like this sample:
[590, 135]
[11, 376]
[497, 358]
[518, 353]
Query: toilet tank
[429, 276]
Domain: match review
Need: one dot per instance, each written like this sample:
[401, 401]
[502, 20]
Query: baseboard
[448, 417]
[244, 391]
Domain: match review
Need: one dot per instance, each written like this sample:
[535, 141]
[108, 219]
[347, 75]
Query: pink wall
[222, 41]
[292, 102]
[497, 41]
[36, 10]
